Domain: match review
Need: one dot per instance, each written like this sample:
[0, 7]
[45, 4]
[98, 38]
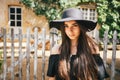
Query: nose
[70, 29]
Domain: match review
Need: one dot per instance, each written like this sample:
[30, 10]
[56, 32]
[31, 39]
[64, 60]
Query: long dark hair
[84, 67]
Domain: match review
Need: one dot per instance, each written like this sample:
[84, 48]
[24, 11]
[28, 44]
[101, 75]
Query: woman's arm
[55, 49]
[52, 63]
[51, 78]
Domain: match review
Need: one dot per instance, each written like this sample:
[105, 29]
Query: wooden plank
[28, 55]
[15, 64]
[113, 56]
[20, 54]
[5, 54]
[105, 42]
[51, 42]
[1, 35]
[12, 54]
[35, 54]
[43, 53]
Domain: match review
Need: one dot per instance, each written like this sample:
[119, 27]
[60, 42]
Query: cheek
[66, 31]
[77, 31]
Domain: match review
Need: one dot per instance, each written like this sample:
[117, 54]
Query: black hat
[73, 14]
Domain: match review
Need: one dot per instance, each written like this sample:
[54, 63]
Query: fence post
[20, 54]
[35, 53]
[53, 33]
[28, 55]
[113, 56]
[51, 40]
[12, 54]
[43, 53]
[105, 41]
[5, 55]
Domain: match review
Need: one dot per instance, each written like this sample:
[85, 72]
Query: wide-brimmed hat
[73, 14]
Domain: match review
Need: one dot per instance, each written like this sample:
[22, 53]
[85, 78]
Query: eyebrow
[72, 24]
[75, 23]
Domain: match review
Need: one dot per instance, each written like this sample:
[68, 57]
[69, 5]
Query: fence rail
[40, 38]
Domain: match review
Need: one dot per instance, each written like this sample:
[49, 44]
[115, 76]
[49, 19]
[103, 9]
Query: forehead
[70, 22]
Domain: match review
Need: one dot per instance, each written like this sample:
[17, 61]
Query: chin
[72, 38]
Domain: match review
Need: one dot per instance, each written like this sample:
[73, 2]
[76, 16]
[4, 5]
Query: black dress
[53, 67]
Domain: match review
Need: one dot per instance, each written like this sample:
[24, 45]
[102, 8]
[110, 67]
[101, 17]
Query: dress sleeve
[101, 68]
[51, 66]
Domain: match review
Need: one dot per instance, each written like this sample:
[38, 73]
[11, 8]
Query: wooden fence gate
[40, 38]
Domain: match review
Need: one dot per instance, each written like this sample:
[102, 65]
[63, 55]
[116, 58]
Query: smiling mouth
[71, 35]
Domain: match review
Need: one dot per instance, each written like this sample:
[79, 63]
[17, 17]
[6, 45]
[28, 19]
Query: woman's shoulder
[54, 55]
[55, 50]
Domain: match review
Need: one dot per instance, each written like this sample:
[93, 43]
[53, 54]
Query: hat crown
[72, 13]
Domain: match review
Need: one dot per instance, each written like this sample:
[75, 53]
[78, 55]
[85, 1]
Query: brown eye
[75, 25]
[65, 26]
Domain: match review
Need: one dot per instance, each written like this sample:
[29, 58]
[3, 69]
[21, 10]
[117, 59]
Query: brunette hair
[84, 66]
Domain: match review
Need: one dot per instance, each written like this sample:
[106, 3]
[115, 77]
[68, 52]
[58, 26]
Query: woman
[76, 58]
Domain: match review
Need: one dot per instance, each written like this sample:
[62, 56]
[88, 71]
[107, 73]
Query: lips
[71, 35]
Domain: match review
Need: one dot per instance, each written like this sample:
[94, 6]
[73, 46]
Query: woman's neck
[73, 43]
[73, 47]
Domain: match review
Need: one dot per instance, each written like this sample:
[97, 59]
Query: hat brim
[87, 24]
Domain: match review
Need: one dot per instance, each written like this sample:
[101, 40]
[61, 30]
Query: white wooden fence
[40, 38]
[114, 71]
[23, 54]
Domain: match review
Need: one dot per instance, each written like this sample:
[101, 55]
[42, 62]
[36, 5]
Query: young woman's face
[72, 29]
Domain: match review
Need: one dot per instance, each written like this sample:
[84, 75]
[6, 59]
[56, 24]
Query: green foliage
[50, 8]
[109, 16]
[108, 11]
[27, 3]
